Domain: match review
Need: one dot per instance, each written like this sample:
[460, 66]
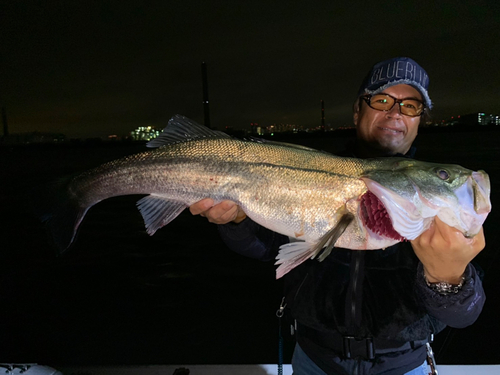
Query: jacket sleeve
[252, 240]
[455, 310]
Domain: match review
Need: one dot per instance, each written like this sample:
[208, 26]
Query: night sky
[94, 68]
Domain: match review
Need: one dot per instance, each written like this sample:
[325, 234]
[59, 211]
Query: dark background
[99, 67]
[122, 297]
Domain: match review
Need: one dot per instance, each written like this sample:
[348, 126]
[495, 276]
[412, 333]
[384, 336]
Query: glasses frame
[367, 99]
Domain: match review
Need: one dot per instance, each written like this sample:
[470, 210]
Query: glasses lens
[381, 102]
[411, 107]
[408, 107]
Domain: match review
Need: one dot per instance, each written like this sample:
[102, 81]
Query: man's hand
[445, 252]
[222, 213]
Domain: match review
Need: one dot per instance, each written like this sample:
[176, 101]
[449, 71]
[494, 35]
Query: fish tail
[60, 212]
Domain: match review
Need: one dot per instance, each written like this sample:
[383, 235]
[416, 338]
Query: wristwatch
[444, 287]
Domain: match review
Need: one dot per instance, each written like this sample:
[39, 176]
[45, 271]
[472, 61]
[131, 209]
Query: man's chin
[378, 149]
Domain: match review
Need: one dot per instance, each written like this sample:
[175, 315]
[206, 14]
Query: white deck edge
[245, 370]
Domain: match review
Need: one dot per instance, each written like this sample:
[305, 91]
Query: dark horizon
[453, 124]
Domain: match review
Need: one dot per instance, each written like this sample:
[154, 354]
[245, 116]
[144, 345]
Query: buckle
[417, 344]
[354, 348]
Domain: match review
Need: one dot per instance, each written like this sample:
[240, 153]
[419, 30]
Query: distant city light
[144, 133]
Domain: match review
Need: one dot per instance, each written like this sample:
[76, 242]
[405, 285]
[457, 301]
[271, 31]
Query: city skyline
[148, 132]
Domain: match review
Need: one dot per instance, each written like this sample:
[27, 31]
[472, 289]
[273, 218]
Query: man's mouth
[391, 130]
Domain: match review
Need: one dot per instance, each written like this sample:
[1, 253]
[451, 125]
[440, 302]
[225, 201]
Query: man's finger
[230, 213]
[220, 211]
[201, 206]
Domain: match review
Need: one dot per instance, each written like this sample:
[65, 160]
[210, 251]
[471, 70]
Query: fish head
[414, 192]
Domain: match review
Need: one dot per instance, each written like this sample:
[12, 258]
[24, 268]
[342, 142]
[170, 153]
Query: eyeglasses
[385, 102]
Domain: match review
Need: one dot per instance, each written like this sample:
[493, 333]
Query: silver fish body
[294, 190]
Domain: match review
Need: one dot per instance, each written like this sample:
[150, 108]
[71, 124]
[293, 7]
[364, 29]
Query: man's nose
[395, 111]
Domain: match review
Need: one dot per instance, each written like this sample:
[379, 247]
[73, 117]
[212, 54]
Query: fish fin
[182, 129]
[158, 211]
[293, 254]
[330, 238]
[59, 211]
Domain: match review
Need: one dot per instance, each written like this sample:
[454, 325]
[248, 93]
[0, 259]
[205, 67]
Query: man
[372, 312]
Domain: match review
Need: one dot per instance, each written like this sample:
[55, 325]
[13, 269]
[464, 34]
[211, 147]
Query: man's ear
[355, 116]
[356, 108]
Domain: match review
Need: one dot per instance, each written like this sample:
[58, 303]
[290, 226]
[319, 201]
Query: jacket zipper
[354, 288]
[358, 257]
[356, 280]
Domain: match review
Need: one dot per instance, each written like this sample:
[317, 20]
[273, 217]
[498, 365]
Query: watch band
[444, 287]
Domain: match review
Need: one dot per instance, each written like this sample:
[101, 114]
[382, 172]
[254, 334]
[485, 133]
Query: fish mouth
[481, 189]
[375, 217]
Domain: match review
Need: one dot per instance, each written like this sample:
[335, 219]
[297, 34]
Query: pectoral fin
[293, 254]
[327, 242]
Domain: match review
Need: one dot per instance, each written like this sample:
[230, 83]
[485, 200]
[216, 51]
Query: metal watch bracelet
[444, 287]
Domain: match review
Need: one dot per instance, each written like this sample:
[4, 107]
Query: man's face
[388, 132]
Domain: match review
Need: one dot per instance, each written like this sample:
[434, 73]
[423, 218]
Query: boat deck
[247, 370]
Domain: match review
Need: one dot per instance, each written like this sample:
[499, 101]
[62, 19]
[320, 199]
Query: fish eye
[443, 174]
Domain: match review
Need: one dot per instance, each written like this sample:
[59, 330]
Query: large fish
[310, 195]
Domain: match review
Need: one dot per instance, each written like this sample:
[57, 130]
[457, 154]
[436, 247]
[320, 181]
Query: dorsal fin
[182, 129]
